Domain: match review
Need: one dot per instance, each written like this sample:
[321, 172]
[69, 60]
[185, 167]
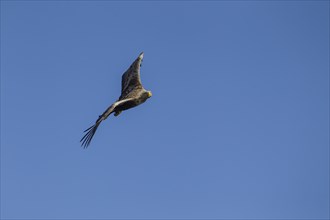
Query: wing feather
[131, 78]
[87, 138]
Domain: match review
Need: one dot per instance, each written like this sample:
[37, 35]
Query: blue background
[238, 125]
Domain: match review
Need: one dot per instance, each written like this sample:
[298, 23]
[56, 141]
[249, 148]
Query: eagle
[132, 94]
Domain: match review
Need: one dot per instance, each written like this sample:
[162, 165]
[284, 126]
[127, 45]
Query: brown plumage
[132, 94]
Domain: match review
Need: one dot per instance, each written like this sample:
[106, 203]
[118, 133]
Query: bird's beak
[149, 94]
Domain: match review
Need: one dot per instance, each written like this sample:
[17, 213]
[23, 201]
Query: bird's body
[132, 95]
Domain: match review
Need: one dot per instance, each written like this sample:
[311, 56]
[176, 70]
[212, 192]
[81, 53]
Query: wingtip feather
[87, 138]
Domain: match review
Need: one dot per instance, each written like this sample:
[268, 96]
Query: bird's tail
[87, 138]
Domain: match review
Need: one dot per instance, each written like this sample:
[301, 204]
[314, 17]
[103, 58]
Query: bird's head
[145, 95]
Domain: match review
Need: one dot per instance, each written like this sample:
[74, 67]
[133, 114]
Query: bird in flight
[132, 94]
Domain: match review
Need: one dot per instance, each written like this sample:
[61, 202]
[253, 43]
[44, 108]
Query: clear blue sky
[238, 125]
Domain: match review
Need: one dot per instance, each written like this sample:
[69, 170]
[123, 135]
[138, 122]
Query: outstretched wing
[131, 78]
[87, 138]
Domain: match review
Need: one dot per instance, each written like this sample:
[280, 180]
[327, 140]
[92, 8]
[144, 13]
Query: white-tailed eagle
[132, 94]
